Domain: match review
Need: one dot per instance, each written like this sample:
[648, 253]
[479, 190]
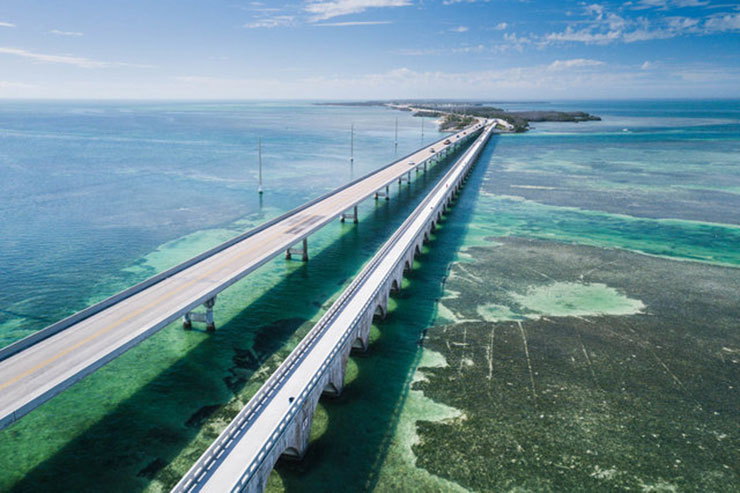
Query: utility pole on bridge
[259, 152]
[352, 144]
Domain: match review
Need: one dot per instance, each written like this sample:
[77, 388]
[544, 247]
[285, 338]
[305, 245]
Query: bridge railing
[252, 410]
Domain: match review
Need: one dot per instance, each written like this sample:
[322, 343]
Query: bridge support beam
[207, 317]
[303, 251]
[386, 194]
[348, 215]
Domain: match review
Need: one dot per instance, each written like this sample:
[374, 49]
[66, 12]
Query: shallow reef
[585, 369]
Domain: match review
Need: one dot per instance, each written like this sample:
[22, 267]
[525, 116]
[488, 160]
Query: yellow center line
[227, 262]
[131, 315]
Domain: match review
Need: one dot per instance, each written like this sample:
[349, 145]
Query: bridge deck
[45, 368]
[232, 462]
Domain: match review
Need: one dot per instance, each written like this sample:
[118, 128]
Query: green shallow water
[570, 327]
[570, 299]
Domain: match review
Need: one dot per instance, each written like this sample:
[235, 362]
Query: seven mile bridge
[277, 420]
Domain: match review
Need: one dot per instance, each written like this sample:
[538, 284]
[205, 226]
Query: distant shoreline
[454, 116]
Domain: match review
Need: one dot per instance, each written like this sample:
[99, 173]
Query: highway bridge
[277, 420]
[40, 366]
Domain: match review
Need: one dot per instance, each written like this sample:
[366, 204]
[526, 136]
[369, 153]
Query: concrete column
[386, 194]
[210, 324]
[337, 370]
[295, 251]
[352, 216]
[207, 317]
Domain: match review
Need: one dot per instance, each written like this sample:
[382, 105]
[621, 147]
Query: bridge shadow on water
[136, 442]
[362, 422]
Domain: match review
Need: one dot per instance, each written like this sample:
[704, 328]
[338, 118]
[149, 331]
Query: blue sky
[363, 49]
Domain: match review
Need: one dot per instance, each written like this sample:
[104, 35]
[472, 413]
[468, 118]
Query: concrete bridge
[277, 420]
[35, 369]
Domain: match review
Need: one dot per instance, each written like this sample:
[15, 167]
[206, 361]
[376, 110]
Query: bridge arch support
[335, 384]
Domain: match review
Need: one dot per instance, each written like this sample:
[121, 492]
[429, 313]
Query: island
[457, 115]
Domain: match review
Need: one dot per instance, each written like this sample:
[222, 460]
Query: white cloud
[354, 23]
[573, 63]
[459, 29]
[646, 65]
[689, 3]
[6, 24]
[586, 35]
[723, 22]
[270, 22]
[668, 4]
[323, 10]
[65, 33]
[589, 81]
[500, 26]
[595, 9]
[512, 41]
[65, 59]
[6, 84]
[704, 75]
[419, 52]
[453, 2]
[512, 82]
[479, 48]
[607, 27]
[582, 82]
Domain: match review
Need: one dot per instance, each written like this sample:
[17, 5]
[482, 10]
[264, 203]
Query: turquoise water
[98, 196]
[89, 189]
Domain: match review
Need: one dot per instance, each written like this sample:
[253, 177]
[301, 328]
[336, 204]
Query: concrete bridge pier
[299, 431]
[206, 317]
[348, 215]
[335, 385]
[361, 339]
[386, 194]
[303, 251]
[381, 304]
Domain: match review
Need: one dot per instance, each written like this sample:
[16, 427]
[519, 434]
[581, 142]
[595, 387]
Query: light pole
[259, 153]
[352, 144]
